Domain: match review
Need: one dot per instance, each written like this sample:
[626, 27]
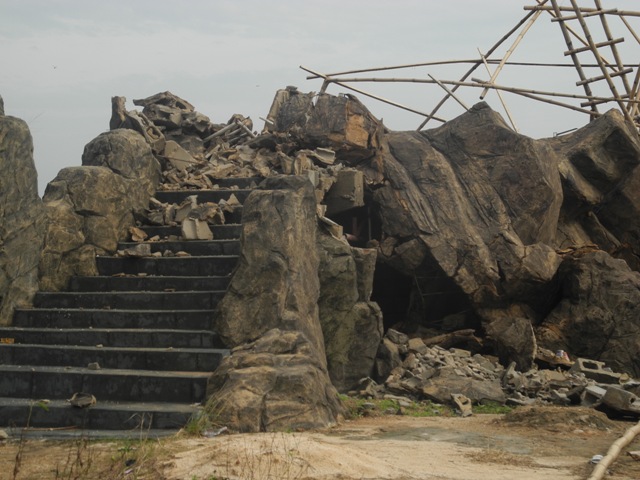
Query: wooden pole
[510, 51]
[477, 64]
[367, 94]
[613, 452]
[574, 57]
[499, 93]
[614, 48]
[448, 90]
[594, 49]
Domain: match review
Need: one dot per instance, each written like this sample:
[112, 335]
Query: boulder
[512, 334]
[126, 153]
[351, 325]
[601, 183]
[22, 217]
[89, 211]
[275, 383]
[447, 382]
[598, 316]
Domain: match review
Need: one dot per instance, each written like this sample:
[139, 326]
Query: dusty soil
[525, 445]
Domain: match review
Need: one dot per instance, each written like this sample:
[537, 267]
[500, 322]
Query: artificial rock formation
[277, 376]
[22, 218]
[91, 208]
[351, 323]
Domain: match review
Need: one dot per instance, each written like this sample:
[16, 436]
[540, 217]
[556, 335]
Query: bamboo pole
[635, 93]
[600, 11]
[582, 10]
[574, 57]
[477, 64]
[448, 90]
[614, 48]
[605, 72]
[511, 49]
[367, 94]
[499, 93]
[613, 452]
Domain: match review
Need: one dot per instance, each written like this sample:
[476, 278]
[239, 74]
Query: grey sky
[62, 60]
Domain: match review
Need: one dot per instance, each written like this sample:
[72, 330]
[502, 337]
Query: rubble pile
[410, 371]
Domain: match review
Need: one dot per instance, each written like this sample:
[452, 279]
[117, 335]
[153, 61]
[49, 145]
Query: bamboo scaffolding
[574, 57]
[614, 451]
[581, 9]
[477, 64]
[510, 51]
[634, 90]
[328, 79]
[614, 48]
[589, 14]
[448, 90]
[596, 54]
[499, 93]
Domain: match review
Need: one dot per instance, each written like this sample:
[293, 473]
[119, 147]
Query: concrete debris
[193, 229]
[138, 251]
[137, 234]
[82, 400]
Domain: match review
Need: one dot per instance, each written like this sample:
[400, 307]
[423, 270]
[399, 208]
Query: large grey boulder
[351, 324]
[277, 376]
[275, 383]
[91, 208]
[599, 314]
[22, 217]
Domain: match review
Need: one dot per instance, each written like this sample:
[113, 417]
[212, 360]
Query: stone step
[100, 318]
[203, 196]
[147, 283]
[23, 412]
[59, 383]
[171, 359]
[129, 300]
[238, 182]
[194, 247]
[220, 232]
[172, 266]
[113, 337]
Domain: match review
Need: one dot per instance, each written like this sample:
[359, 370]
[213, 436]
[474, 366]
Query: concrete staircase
[147, 323]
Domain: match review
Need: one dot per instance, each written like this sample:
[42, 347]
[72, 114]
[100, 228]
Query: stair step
[100, 318]
[220, 232]
[22, 412]
[129, 300]
[239, 182]
[183, 359]
[172, 266]
[113, 337]
[194, 247]
[178, 196]
[39, 382]
[147, 283]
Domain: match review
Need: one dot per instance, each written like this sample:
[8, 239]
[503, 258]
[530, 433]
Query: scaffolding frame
[622, 80]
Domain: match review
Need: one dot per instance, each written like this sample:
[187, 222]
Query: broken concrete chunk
[82, 400]
[193, 229]
[137, 251]
[595, 370]
[623, 402]
[346, 193]
[178, 156]
[463, 403]
[137, 234]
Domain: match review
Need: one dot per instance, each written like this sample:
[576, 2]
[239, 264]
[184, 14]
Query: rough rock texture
[601, 181]
[273, 301]
[1, 105]
[91, 208]
[125, 152]
[22, 217]
[351, 324]
[276, 281]
[599, 315]
[274, 383]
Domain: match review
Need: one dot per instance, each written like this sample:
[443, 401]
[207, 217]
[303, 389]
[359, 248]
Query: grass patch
[491, 408]
[361, 407]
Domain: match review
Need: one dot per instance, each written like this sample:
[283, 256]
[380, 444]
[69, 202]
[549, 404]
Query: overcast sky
[62, 60]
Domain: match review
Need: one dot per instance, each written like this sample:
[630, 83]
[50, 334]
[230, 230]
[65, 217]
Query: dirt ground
[526, 444]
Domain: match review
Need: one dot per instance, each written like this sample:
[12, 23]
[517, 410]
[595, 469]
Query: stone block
[193, 229]
[622, 401]
[595, 370]
[346, 193]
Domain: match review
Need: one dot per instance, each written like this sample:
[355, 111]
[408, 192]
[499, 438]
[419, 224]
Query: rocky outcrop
[351, 323]
[22, 217]
[598, 316]
[276, 383]
[277, 375]
[91, 208]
